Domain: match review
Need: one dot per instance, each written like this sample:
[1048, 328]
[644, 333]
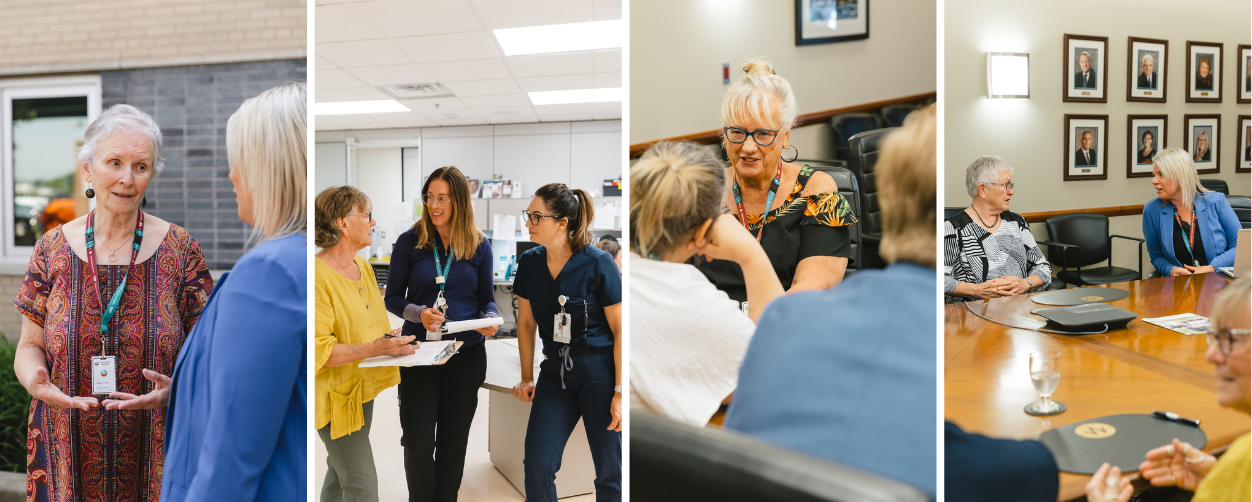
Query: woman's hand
[155, 399]
[727, 240]
[432, 318]
[1013, 286]
[615, 409]
[1176, 464]
[524, 391]
[989, 289]
[386, 346]
[41, 387]
[1200, 270]
[489, 331]
[1177, 271]
[1107, 485]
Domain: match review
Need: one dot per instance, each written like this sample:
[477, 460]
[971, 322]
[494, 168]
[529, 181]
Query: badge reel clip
[560, 332]
[442, 306]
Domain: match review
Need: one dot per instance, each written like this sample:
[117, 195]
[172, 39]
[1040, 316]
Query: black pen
[1173, 417]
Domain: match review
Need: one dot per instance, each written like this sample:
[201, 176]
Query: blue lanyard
[111, 309]
[769, 201]
[441, 274]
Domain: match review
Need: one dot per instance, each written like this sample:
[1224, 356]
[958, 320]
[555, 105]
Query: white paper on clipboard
[427, 354]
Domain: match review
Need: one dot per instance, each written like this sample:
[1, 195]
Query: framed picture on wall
[830, 21]
[1146, 78]
[1200, 137]
[1204, 72]
[1146, 135]
[1245, 145]
[1085, 75]
[1086, 152]
[1245, 74]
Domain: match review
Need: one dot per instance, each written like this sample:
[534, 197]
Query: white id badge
[433, 336]
[560, 331]
[103, 375]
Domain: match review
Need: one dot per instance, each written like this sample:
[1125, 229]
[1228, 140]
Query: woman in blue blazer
[236, 427]
[1189, 230]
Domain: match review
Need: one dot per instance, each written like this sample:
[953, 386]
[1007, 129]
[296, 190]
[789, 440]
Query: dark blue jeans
[554, 413]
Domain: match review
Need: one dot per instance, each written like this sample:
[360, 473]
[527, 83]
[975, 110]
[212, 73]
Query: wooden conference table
[1133, 370]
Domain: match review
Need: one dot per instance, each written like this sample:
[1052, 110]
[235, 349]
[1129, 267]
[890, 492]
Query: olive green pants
[350, 473]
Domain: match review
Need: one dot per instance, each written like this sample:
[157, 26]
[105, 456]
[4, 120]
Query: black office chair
[848, 187]
[894, 115]
[1215, 185]
[863, 156]
[949, 212]
[1243, 208]
[675, 462]
[1083, 239]
[847, 125]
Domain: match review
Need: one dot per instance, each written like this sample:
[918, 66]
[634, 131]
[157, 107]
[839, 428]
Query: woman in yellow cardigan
[351, 322]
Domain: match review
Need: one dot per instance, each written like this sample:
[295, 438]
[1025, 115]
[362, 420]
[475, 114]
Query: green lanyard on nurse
[441, 278]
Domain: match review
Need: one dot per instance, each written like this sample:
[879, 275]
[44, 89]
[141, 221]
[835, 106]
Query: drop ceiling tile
[566, 117]
[451, 47]
[484, 87]
[479, 69]
[604, 80]
[335, 79]
[365, 53]
[433, 104]
[357, 122]
[351, 94]
[608, 60]
[460, 117]
[326, 124]
[403, 120]
[548, 65]
[497, 14]
[340, 23]
[501, 101]
[606, 10]
[561, 83]
[392, 74]
[511, 115]
[575, 108]
[322, 63]
[605, 111]
[409, 19]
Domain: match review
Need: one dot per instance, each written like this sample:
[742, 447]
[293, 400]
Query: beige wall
[50, 36]
[1029, 133]
[677, 49]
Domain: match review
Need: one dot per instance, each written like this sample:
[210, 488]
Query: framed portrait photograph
[1085, 75]
[1146, 79]
[1245, 145]
[1245, 74]
[1200, 136]
[1086, 152]
[1146, 137]
[830, 21]
[1204, 72]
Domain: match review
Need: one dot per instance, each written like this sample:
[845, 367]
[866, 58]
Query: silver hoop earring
[796, 156]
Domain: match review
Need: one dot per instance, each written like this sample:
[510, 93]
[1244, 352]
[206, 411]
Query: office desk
[1132, 370]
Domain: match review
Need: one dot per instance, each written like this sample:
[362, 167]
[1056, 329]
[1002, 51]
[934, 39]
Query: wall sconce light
[1008, 75]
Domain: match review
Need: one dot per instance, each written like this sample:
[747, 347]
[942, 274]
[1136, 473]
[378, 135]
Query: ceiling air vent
[417, 91]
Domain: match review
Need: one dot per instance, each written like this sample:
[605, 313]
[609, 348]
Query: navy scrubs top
[469, 290]
[590, 281]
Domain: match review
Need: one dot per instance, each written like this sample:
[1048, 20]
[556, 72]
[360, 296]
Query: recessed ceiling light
[353, 107]
[576, 96]
[561, 37]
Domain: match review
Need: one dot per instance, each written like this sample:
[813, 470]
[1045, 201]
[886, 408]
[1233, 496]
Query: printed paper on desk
[427, 354]
[606, 216]
[1187, 324]
[504, 227]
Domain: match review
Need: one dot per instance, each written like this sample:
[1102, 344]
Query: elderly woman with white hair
[1189, 230]
[988, 251]
[108, 300]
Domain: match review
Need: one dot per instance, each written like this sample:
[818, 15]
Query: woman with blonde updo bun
[795, 212]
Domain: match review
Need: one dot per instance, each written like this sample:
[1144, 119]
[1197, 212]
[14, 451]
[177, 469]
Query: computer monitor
[523, 246]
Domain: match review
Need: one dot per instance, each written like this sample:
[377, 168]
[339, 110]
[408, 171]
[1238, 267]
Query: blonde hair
[265, 144]
[330, 205]
[674, 188]
[1231, 301]
[1175, 164]
[760, 95]
[464, 235]
[906, 190]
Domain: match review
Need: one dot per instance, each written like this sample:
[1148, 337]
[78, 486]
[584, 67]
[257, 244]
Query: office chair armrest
[1064, 252]
[1141, 241]
[1125, 237]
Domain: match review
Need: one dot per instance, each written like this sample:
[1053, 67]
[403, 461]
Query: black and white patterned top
[973, 255]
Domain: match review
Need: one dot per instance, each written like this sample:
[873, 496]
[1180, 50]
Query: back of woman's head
[1176, 165]
[574, 204]
[906, 190]
[759, 95]
[609, 245]
[331, 205]
[265, 145]
[674, 188]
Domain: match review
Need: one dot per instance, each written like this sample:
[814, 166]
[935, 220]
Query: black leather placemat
[1079, 296]
[1120, 440]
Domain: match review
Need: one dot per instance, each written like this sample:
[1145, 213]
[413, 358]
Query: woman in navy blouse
[441, 270]
[571, 292]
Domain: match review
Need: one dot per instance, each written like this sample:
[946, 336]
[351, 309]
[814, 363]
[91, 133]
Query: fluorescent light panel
[576, 96]
[561, 37]
[358, 107]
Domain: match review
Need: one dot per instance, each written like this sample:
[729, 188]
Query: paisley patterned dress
[103, 454]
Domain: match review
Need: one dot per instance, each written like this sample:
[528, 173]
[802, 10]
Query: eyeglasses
[431, 200]
[763, 137]
[1225, 338]
[1008, 186]
[534, 218]
[368, 216]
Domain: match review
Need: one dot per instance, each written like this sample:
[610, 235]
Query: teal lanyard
[111, 309]
[769, 201]
[441, 274]
[1190, 238]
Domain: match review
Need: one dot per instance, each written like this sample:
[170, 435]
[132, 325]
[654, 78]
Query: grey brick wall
[10, 318]
[192, 105]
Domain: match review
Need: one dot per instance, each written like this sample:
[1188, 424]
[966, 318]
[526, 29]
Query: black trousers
[437, 404]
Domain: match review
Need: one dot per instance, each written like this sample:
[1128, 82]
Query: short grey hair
[984, 170]
[1085, 53]
[1148, 57]
[121, 118]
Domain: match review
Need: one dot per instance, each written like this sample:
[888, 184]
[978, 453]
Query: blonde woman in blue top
[571, 292]
[1188, 229]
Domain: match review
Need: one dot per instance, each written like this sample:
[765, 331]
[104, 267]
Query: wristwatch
[617, 389]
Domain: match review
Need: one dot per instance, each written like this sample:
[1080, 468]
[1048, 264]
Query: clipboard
[408, 361]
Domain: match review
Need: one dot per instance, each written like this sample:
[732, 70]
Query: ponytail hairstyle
[674, 188]
[575, 205]
[464, 235]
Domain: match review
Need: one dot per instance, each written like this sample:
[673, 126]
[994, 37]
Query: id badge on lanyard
[103, 375]
[104, 368]
[441, 278]
[560, 329]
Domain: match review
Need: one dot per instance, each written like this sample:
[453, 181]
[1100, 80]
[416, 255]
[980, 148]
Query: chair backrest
[894, 115]
[1215, 185]
[949, 212]
[672, 462]
[849, 188]
[862, 157]
[847, 125]
[1243, 208]
[1090, 232]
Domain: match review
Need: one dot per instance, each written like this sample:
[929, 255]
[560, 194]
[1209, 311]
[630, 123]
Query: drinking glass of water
[1045, 376]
